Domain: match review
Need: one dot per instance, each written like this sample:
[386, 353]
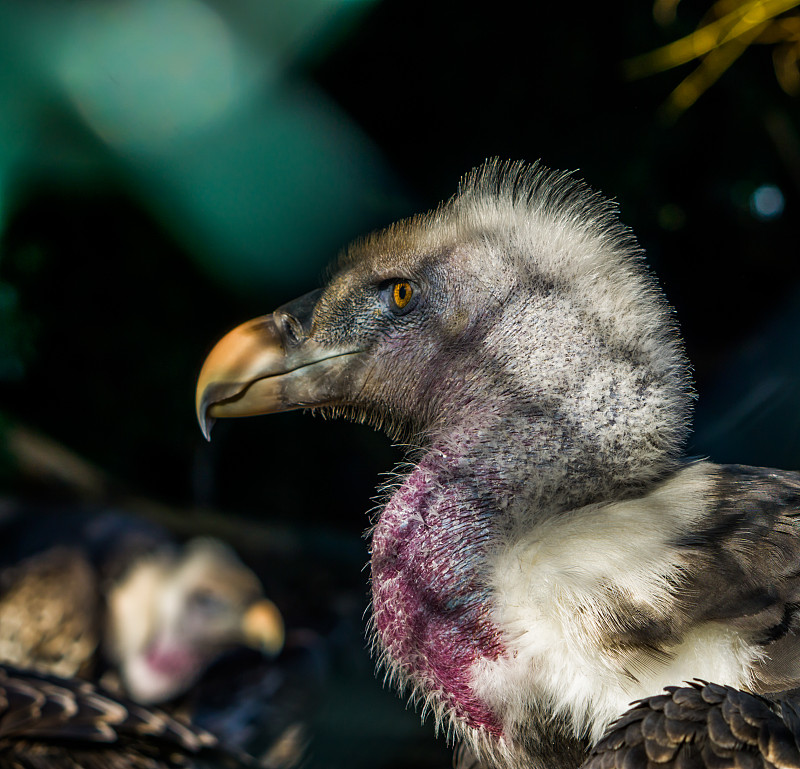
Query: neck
[431, 599]
[543, 459]
[431, 607]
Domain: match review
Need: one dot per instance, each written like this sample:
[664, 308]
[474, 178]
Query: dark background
[170, 170]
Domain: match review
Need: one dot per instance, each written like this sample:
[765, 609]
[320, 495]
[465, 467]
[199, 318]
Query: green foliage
[17, 334]
[730, 28]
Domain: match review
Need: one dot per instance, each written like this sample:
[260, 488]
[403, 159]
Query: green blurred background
[169, 168]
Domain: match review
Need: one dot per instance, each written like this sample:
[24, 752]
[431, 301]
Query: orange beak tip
[263, 626]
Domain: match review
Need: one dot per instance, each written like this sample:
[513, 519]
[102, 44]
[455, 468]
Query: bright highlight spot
[145, 72]
[767, 202]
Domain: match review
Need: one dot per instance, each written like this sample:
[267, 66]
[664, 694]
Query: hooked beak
[272, 364]
[262, 627]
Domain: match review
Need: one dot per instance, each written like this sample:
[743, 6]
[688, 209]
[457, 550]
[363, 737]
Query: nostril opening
[291, 329]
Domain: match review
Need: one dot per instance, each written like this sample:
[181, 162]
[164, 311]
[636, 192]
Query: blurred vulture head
[173, 612]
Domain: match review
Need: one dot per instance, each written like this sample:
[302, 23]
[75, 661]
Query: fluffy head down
[533, 300]
[541, 372]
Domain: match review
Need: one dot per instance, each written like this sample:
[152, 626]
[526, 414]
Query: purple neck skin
[431, 607]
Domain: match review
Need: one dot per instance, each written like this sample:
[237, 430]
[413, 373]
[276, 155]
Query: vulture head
[516, 342]
[173, 612]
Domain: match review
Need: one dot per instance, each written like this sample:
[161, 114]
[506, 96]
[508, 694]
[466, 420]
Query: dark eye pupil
[402, 292]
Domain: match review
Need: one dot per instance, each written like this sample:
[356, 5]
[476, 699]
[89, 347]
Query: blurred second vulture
[123, 604]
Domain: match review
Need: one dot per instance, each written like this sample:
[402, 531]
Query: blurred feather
[69, 724]
[261, 706]
[50, 612]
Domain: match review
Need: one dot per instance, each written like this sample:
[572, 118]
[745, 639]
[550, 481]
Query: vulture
[547, 554]
[154, 615]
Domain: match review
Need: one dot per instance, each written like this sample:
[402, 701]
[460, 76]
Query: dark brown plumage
[702, 726]
[50, 612]
[52, 723]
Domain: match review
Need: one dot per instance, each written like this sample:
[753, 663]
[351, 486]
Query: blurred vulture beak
[262, 627]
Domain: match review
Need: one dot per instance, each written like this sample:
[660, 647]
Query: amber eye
[401, 294]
